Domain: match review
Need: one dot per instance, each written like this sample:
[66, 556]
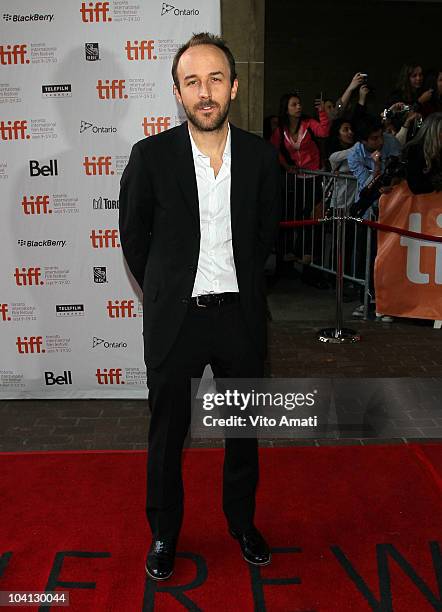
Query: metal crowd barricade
[311, 194]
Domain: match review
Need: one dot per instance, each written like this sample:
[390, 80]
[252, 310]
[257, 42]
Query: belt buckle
[198, 302]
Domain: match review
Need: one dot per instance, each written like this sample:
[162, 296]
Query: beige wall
[242, 24]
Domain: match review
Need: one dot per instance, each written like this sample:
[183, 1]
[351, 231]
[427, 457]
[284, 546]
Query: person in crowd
[390, 125]
[423, 156]
[296, 139]
[366, 160]
[434, 104]
[270, 124]
[342, 105]
[410, 91]
[339, 143]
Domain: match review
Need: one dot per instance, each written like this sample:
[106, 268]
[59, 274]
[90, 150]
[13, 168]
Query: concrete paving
[405, 348]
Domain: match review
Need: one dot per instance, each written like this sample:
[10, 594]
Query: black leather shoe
[161, 559]
[254, 548]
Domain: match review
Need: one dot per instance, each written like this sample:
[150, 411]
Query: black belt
[209, 300]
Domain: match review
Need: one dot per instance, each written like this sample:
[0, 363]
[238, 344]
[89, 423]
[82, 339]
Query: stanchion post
[339, 335]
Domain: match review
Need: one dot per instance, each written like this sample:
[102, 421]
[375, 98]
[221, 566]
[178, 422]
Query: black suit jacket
[160, 229]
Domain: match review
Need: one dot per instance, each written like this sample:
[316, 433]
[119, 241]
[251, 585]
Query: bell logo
[50, 169]
[414, 247]
[4, 313]
[95, 12]
[16, 130]
[28, 277]
[111, 90]
[113, 376]
[155, 126]
[121, 310]
[140, 50]
[104, 239]
[13, 55]
[36, 205]
[98, 166]
[31, 345]
[63, 379]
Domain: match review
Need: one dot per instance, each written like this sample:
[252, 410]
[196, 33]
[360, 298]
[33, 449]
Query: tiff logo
[36, 205]
[414, 247]
[100, 166]
[95, 12]
[121, 310]
[113, 376]
[140, 50]
[4, 313]
[104, 239]
[155, 126]
[13, 54]
[31, 345]
[28, 277]
[14, 130]
[111, 90]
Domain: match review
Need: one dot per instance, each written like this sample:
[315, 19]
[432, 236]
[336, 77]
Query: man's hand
[320, 106]
[411, 116]
[376, 157]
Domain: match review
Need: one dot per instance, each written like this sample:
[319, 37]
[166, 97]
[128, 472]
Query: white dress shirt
[216, 268]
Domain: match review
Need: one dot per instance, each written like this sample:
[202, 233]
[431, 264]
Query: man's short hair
[203, 38]
[366, 125]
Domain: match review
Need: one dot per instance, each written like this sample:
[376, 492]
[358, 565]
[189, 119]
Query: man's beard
[207, 124]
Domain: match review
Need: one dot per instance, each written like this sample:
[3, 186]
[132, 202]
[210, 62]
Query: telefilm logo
[111, 376]
[62, 379]
[56, 91]
[69, 310]
[169, 9]
[104, 239]
[4, 312]
[100, 274]
[140, 50]
[86, 126]
[32, 17]
[155, 125]
[14, 130]
[31, 345]
[92, 52]
[36, 205]
[13, 55]
[95, 12]
[124, 309]
[98, 166]
[106, 344]
[111, 89]
[28, 277]
[50, 169]
[105, 204]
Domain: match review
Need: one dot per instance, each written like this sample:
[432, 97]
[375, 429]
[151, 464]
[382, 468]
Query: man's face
[205, 91]
[375, 141]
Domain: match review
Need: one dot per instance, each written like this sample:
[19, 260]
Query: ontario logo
[86, 126]
[169, 9]
[106, 344]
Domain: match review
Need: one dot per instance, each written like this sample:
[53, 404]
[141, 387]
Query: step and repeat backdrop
[80, 83]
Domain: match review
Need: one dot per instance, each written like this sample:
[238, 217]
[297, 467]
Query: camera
[388, 113]
[394, 167]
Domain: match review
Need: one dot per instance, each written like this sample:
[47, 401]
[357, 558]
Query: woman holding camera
[423, 156]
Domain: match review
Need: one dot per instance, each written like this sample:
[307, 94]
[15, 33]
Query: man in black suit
[199, 208]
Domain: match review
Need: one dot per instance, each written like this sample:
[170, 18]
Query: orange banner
[408, 272]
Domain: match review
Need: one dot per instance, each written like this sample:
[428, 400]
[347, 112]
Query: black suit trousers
[218, 336]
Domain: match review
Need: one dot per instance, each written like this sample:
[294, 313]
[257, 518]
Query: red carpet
[352, 528]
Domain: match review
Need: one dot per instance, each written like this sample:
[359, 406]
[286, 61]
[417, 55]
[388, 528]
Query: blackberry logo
[7, 17]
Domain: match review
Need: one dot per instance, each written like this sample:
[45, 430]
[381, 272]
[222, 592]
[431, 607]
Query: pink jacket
[305, 152]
